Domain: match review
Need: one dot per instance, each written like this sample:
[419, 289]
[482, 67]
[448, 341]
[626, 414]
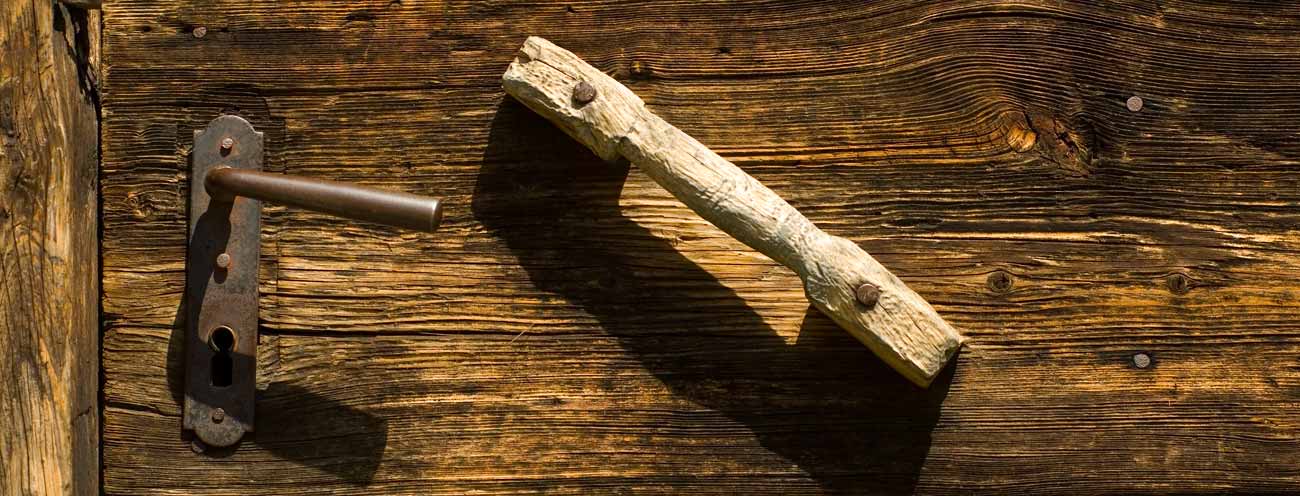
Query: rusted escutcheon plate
[221, 303]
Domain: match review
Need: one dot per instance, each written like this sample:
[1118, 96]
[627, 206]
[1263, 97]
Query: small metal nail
[197, 446]
[638, 70]
[1141, 360]
[584, 93]
[1134, 103]
[200, 32]
[227, 143]
[218, 415]
[867, 294]
[223, 260]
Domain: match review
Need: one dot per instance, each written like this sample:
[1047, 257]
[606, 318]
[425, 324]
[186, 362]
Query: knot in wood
[1059, 143]
[1178, 284]
[1017, 132]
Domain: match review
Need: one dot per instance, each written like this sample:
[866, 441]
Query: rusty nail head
[1134, 103]
[227, 143]
[223, 260]
[867, 294]
[1141, 360]
[584, 93]
[200, 32]
[638, 69]
[219, 415]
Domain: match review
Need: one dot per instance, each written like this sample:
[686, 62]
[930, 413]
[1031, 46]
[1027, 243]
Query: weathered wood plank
[49, 257]
[618, 411]
[980, 150]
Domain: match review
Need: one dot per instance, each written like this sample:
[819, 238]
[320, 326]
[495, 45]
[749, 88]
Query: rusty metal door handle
[394, 208]
[226, 184]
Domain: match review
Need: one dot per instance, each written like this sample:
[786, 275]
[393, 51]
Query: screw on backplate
[867, 294]
[1134, 103]
[227, 143]
[223, 260]
[200, 32]
[999, 281]
[218, 416]
[197, 446]
[1141, 360]
[584, 93]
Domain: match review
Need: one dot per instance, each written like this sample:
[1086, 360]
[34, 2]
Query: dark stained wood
[49, 258]
[574, 329]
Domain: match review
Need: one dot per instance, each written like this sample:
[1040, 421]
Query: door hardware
[226, 190]
[839, 277]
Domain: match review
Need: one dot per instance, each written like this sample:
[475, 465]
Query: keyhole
[222, 341]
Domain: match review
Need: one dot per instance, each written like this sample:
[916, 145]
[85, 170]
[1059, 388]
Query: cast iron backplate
[221, 302]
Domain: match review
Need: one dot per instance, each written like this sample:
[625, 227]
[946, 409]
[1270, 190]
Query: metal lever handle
[222, 265]
[393, 208]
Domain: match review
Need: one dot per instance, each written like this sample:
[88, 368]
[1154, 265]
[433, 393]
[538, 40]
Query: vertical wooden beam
[49, 249]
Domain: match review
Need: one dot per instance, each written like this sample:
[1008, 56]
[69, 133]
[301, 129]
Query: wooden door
[574, 329]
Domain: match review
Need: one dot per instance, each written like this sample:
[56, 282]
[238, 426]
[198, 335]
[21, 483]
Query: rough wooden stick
[898, 326]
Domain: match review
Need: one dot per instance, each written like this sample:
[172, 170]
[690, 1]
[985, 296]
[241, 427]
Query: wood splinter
[897, 324]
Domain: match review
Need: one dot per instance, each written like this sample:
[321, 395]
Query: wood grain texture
[573, 328]
[49, 258]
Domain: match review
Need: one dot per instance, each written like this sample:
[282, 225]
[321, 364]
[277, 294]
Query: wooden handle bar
[898, 326]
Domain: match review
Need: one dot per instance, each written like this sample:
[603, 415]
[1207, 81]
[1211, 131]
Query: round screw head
[223, 260]
[218, 416]
[999, 281]
[200, 32]
[867, 294]
[1134, 103]
[584, 93]
[227, 143]
[1141, 360]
